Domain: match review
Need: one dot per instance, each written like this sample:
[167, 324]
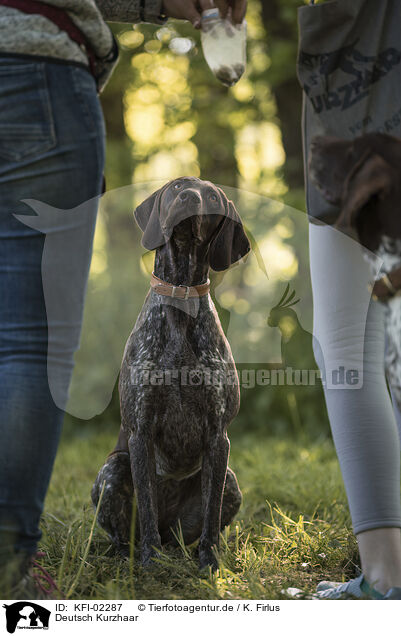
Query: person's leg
[380, 552]
[350, 334]
[380, 548]
[51, 150]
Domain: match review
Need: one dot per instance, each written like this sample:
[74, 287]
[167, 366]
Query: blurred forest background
[167, 116]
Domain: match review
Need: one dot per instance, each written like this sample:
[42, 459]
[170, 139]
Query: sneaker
[25, 578]
[356, 588]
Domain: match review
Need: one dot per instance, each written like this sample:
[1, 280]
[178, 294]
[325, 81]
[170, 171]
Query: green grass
[293, 528]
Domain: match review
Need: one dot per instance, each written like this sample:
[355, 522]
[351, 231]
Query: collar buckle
[186, 295]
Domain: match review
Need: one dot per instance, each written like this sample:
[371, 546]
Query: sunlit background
[167, 116]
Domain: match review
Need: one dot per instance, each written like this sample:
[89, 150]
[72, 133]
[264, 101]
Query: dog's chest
[192, 408]
[190, 388]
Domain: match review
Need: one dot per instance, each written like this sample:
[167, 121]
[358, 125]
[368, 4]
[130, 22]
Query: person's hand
[192, 9]
[235, 8]
[187, 10]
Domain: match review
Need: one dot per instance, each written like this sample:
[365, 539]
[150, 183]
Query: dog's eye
[212, 197]
[177, 186]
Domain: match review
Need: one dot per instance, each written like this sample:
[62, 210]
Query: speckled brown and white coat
[173, 439]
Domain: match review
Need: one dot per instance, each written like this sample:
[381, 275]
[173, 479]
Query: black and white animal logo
[26, 615]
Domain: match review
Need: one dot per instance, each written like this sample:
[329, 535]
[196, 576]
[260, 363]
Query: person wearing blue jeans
[51, 149]
[53, 62]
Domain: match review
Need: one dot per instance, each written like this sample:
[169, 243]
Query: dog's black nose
[190, 196]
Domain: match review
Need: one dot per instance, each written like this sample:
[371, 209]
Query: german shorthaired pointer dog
[178, 383]
[363, 178]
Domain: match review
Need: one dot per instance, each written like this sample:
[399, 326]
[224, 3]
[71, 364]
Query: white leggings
[349, 329]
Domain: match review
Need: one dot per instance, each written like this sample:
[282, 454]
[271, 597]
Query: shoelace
[332, 592]
[42, 578]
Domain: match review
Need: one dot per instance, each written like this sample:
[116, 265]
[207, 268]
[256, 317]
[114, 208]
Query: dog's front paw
[207, 558]
[149, 553]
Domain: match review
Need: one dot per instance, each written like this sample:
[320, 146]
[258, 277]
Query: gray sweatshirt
[27, 34]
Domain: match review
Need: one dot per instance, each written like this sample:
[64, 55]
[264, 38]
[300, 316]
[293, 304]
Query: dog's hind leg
[122, 441]
[232, 499]
[115, 510]
[180, 507]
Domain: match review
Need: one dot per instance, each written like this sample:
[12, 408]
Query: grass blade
[75, 582]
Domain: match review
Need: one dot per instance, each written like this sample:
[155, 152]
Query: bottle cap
[210, 14]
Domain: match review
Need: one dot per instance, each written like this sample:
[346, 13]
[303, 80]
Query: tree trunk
[281, 28]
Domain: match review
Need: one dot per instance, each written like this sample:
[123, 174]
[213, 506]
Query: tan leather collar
[182, 292]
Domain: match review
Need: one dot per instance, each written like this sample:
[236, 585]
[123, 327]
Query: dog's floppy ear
[372, 176]
[147, 215]
[231, 242]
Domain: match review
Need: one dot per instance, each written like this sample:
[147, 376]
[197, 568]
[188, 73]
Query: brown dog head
[191, 210]
[362, 177]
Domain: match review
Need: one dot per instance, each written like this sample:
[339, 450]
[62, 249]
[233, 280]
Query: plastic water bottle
[224, 46]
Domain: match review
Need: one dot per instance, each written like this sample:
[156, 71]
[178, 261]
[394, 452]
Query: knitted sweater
[27, 34]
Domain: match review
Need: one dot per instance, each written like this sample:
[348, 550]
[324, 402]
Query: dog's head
[191, 211]
[363, 178]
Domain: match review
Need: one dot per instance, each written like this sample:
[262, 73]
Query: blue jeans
[51, 151]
